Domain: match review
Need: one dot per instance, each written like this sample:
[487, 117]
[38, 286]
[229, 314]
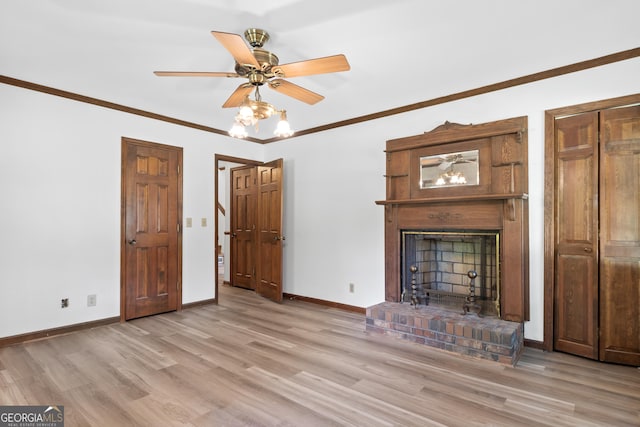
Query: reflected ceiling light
[451, 178]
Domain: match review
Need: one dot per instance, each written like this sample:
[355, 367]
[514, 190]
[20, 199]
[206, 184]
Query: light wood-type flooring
[251, 362]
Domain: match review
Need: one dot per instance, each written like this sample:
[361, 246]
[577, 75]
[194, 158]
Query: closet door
[576, 235]
[620, 235]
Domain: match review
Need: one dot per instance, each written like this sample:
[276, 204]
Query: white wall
[60, 216]
[60, 192]
[335, 231]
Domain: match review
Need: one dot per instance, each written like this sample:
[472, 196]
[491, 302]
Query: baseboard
[200, 303]
[534, 344]
[17, 339]
[30, 336]
[346, 307]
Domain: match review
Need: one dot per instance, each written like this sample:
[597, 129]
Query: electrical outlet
[203, 222]
[91, 300]
[189, 222]
[352, 287]
[64, 303]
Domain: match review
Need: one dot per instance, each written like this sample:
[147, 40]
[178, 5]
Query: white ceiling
[401, 51]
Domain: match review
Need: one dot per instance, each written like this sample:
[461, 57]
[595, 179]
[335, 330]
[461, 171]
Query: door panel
[151, 262]
[620, 236]
[270, 200]
[243, 227]
[576, 281]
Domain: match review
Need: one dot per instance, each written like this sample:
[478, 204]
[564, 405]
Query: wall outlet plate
[91, 300]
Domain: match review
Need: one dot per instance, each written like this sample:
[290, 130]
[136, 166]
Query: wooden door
[270, 203]
[243, 227]
[576, 266]
[620, 235]
[151, 239]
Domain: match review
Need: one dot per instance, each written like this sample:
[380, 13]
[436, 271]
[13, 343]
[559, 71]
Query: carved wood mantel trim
[454, 132]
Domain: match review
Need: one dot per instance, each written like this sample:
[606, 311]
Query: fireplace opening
[438, 268]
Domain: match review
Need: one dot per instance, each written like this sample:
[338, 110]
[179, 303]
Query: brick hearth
[480, 337]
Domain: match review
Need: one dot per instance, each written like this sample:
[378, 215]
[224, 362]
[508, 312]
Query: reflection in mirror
[450, 169]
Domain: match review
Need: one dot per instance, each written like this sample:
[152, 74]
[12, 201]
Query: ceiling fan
[445, 161]
[453, 159]
[260, 67]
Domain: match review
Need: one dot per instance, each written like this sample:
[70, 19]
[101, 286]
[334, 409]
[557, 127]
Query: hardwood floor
[248, 361]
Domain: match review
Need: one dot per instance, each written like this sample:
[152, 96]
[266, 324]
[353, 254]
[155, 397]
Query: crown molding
[529, 78]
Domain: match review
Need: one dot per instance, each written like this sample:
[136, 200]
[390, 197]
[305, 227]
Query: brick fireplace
[457, 203]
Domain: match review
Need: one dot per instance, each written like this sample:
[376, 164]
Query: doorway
[592, 230]
[151, 235]
[255, 225]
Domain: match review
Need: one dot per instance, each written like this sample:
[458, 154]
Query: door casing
[218, 158]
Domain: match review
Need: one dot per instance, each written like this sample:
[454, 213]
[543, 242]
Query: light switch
[204, 222]
[189, 222]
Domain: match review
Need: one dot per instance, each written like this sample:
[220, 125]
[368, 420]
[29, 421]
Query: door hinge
[178, 169]
[178, 227]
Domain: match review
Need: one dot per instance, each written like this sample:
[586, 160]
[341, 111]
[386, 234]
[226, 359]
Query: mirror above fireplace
[450, 169]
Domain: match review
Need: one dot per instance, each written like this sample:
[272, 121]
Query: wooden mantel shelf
[505, 196]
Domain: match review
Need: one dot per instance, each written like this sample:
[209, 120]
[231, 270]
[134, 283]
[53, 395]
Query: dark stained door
[270, 238]
[151, 246]
[243, 227]
[576, 252]
[620, 235]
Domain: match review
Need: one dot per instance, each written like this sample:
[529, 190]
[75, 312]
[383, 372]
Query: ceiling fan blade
[295, 91]
[328, 64]
[238, 95]
[195, 74]
[237, 48]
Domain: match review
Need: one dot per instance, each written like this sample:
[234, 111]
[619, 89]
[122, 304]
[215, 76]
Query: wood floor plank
[250, 362]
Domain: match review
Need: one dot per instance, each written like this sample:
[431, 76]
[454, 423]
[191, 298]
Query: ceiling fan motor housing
[256, 37]
[266, 59]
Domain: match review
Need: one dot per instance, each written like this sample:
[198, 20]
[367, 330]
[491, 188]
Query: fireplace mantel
[497, 200]
[505, 196]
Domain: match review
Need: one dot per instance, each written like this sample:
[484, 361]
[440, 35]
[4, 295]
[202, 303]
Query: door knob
[588, 250]
[278, 238]
[132, 242]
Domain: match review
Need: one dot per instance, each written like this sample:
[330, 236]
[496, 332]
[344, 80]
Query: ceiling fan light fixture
[245, 113]
[262, 110]
[283, 129]
[250, 112]
[238, 130]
